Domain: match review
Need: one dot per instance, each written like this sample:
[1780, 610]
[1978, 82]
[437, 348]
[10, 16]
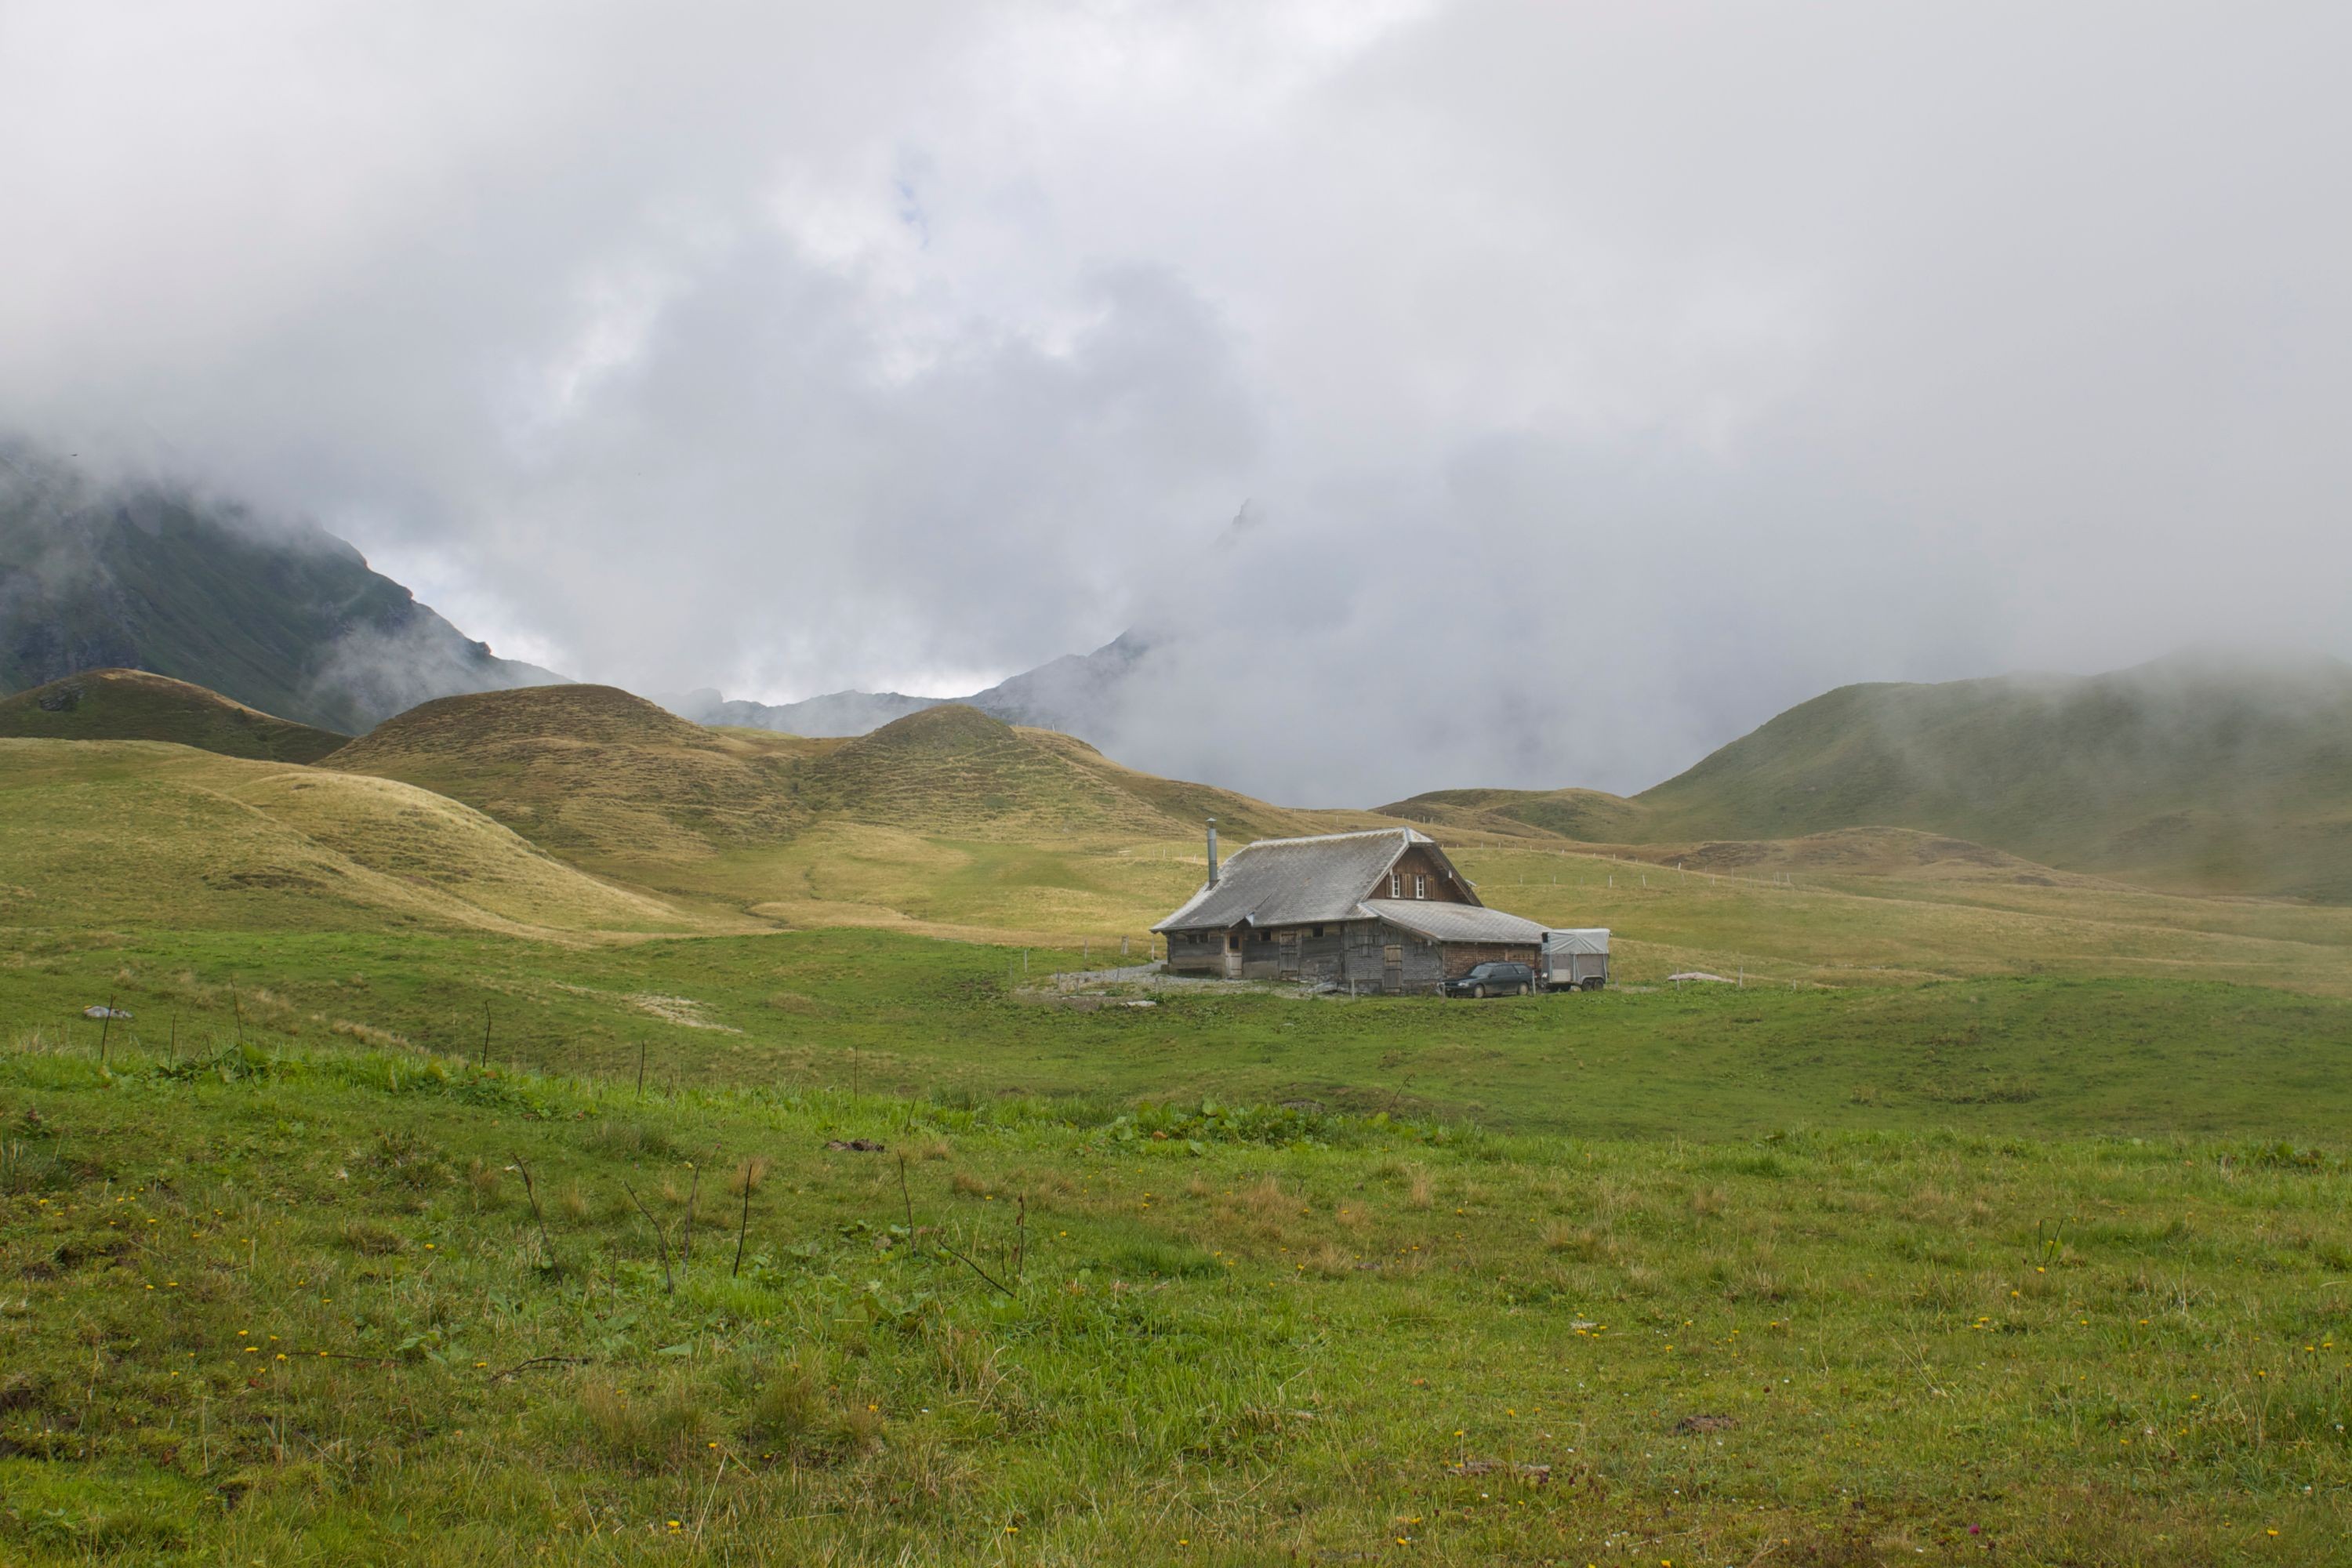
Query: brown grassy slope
[946, 816]
[603, 778]
[954, 772]
[1586, 816]
[595, 773]
[139, 833]
[1240, 818]
[133, 705]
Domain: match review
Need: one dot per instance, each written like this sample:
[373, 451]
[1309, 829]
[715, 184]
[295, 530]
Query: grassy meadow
[290, 1306]
[2000, 1215]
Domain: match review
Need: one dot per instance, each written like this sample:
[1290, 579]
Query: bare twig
[530, 1191]
[976, 1269]
[661, 1237]
[693, 1191]
[539, 1361]
[904, 1199]
[105, 1025]
[743, 1225]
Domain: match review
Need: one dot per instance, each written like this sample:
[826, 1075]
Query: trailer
[1574, 960]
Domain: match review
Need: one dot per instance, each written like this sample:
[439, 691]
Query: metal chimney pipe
[1213, 852]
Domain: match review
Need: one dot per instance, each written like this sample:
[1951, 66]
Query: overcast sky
[1599, 378]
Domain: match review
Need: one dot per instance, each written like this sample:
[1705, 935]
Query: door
[1285, 953]
[1392, 967]
[1233, 955]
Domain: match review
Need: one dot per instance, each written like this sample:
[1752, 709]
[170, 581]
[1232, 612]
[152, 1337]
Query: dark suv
[1494, 980]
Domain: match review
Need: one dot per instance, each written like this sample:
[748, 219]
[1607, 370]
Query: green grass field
[299, 1306]
[1998, 1217]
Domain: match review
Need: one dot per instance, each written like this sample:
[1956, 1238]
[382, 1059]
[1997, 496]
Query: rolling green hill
[275, 613]
[1587, 816]
[100, 835]
[815, 830]
[2210, 774]
[2199, 772]
[132, 705]
[605, 778]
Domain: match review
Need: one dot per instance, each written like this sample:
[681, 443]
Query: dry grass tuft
[652, 1429]
[484, 1179]
[1265, 1198]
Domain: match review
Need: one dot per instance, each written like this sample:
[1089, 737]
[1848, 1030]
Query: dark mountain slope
[131, 705]
[277, 615]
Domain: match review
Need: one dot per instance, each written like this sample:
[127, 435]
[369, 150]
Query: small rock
[860, 1145]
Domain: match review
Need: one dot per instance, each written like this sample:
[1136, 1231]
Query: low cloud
[1599, 380]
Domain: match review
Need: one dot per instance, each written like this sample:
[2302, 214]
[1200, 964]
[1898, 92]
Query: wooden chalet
[1382, 910]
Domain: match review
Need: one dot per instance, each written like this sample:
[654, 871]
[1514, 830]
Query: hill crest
[2206, 771]
[112, 704]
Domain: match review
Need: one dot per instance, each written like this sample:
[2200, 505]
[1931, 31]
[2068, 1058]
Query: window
[1420, 887]
[1316, 931]
[1392, 954]
[1396, 884]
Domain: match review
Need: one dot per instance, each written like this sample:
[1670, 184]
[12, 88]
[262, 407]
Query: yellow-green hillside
[809, 831]
[1586, 816]
[141, 833]
[605, 778]
[133, 705]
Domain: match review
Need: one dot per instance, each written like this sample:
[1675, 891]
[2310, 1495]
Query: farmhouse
[1383, 911]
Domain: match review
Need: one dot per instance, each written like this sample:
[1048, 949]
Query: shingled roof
[1456, 922]
[1297, 881]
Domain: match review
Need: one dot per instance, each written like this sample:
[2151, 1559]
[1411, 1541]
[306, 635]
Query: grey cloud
[1603, 378]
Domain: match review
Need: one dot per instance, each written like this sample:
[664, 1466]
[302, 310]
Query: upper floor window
[1420, 887]
[1396, 884]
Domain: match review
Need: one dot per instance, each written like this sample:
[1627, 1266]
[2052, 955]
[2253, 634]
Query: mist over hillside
[153, 574]
[2215, 770]
[1087, 694]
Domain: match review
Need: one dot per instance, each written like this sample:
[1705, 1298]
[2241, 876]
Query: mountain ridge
[1074, 693]
[273, 613]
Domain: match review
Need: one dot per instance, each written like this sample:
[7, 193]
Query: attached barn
[1380, 910]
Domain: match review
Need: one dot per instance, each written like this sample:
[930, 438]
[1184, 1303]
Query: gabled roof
[1294, 882]
[1456, 922]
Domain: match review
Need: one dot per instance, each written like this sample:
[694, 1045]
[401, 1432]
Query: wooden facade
[1304, 910]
